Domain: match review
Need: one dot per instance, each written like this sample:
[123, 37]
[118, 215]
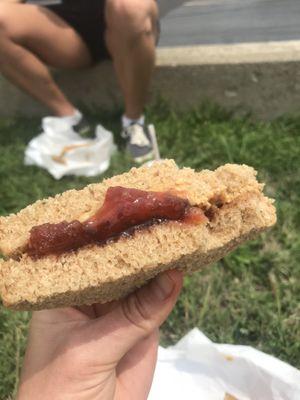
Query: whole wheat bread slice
[104, 273]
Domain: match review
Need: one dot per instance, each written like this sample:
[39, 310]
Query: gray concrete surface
[244, 78]
[229, 21]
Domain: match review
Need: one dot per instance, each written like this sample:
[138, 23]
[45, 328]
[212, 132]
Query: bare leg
[130, 37]
[31, 36]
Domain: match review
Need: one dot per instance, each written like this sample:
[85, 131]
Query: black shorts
[86, 17]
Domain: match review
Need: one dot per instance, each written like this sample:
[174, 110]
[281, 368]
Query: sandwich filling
[123, 211]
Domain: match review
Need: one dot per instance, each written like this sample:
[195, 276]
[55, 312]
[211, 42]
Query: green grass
[252, 296]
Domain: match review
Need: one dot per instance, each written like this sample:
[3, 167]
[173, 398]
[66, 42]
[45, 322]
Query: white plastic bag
[198, 369]
[61, 151]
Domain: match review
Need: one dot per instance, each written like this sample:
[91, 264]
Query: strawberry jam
[123, 210]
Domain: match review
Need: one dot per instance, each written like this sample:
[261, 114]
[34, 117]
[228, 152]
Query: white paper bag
[198, 369]
[61, 151]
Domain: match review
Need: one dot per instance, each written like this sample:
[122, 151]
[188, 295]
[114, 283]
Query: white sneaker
[139, 144]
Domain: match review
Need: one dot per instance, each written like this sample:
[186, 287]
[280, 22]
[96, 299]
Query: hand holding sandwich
[98, 244]
[105, 351]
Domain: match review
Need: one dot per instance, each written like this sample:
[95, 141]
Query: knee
[132, 16]
[4, 19]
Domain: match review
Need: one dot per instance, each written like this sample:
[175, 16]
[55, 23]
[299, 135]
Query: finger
[139, 363]
[59, 316]
[103, 309]
[87, 310]
[135, 317]
[97, 310]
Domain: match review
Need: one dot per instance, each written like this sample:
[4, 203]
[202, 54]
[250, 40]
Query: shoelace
[136, 135]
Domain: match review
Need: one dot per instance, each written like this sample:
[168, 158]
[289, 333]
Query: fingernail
[163, 286]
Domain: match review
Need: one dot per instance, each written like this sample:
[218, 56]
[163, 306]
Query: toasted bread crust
[103, 273]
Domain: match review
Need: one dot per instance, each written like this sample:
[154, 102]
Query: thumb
[136, 316]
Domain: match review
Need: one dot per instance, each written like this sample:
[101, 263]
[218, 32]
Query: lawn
[253, 295]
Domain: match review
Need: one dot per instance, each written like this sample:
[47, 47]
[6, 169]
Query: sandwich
[100, 243]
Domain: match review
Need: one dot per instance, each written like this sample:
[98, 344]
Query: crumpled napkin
[61, 151]
[198, 369]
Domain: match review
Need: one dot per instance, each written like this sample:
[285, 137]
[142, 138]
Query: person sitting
[70, 34]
